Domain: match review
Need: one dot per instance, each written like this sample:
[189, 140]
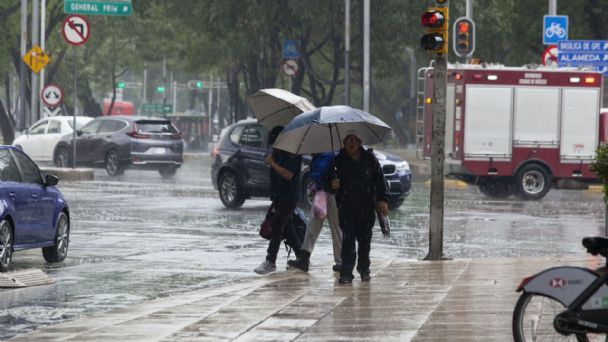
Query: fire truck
[516, 130]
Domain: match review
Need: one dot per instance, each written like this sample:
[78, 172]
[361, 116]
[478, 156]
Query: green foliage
[600, 167]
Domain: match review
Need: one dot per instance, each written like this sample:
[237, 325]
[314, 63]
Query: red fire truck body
[517, 130]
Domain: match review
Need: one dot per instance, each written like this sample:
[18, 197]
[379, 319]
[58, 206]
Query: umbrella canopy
[276, 107]
[322, 130]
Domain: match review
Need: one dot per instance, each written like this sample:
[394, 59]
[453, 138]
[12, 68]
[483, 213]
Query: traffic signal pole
[435, 41]
[469, 14]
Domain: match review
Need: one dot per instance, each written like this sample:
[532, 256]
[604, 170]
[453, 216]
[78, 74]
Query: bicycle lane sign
[555, 29]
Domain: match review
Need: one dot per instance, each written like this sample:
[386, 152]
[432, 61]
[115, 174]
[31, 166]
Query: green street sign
[151, 108]
[118, 8]
[167, 109]
[120, 85]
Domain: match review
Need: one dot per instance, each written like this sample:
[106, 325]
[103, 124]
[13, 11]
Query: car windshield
[79, 122]
[155, 127]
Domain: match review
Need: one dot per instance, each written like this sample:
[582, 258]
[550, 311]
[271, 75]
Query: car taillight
[524, 282]
[176, 136]
[134, 134]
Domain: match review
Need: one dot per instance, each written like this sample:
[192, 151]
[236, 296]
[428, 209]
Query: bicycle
[564, 303]
[555, 30]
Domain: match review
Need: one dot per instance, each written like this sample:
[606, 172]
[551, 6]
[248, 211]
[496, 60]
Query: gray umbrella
[322, 130]
[276, 107]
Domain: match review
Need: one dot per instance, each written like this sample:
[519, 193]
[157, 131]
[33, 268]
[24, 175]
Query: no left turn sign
[75, 29]
[52, 95]
[290, 67]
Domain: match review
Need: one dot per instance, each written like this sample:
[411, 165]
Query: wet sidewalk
[406, 300]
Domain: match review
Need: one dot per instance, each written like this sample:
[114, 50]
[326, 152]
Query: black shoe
[365, 276]
[346, 279]
[300, 263]
[337, 268]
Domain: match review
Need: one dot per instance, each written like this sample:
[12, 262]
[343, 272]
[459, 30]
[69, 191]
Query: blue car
[33, 212]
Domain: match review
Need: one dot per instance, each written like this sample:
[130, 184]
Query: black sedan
[118, 142]
[239, 171]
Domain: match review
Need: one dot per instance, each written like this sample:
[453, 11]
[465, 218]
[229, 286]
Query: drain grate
[24, 278]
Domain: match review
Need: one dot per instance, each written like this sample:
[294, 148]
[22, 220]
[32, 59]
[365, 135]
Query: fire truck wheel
[532, 182]
[495, 188]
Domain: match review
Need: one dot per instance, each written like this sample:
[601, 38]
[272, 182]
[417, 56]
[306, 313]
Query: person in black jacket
[360, 187]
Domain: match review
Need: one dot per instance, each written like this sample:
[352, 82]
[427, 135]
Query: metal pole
[164, 79]
[219, 117]
[145, 83]
[552, 7]
[42, 45]
[469, 14]
[35, 41]
[210, 104]
[174, 96]
[366, 24]
[347, 52]
[74, 111]
[23, 122]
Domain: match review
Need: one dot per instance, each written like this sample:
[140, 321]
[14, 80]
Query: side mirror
[26, 132]
[78, 132]
[51, 180]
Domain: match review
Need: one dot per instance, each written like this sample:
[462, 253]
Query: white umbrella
[276, 107]
[322, 130]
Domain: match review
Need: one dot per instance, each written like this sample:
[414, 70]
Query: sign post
[75, 30]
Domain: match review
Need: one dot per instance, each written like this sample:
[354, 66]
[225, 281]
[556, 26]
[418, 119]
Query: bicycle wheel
[533, 320]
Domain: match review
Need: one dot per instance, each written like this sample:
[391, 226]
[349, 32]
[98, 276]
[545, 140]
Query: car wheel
[59, 251]
[532, 182]
[230, 190]
[113, 164]
[6, 245]
[168, 172]
[62, 157]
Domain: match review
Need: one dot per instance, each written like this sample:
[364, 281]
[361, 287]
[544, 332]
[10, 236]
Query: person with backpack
[358, 182]
[284, 194]
[318, 169]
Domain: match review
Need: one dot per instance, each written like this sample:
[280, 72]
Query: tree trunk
[6, 126]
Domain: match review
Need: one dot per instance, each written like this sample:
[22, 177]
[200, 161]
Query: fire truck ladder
[420, 88]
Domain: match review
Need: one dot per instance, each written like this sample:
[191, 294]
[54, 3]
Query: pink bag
[319, 204]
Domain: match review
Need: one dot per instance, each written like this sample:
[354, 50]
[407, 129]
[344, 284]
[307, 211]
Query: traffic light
[160, 89]
[120, 85]
[195, 84]
[464, 37]
[435, 20]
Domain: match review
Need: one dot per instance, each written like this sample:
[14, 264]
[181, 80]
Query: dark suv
[118, 142]
[239, 171]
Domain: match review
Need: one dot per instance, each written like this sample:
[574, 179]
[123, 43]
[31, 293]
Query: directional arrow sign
[75, 30]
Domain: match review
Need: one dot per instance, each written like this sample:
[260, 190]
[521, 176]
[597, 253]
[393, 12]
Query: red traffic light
[463, 27]
[432, 19]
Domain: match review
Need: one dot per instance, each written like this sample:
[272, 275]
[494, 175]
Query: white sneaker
[265, 268]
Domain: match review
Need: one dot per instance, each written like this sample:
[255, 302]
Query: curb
[598, 189]
[68, 174]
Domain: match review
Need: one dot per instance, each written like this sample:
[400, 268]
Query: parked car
[239, 172]
[33, 213]
[119, 142]
[40, 140]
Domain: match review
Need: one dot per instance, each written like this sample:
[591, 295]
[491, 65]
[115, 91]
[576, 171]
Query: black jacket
[362, 182]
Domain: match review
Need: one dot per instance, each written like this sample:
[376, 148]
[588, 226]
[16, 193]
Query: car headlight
[402, 167]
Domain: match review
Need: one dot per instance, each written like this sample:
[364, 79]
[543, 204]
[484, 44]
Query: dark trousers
[282, 213]
[356, 226]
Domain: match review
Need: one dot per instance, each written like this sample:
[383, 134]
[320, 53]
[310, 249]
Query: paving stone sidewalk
[406, 300]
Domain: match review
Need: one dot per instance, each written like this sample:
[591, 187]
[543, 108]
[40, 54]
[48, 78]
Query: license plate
[158, 150]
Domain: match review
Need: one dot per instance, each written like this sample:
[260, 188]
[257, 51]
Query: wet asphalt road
[137, 238]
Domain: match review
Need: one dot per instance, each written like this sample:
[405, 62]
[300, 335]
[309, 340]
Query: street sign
[550, 55]
[291, 49]
[36, 59]
[152, 108]
[52, 95]
[75, 30]
[591, 53]
[117, 8]
[555, 29]
[47, 112]
[290, 67]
